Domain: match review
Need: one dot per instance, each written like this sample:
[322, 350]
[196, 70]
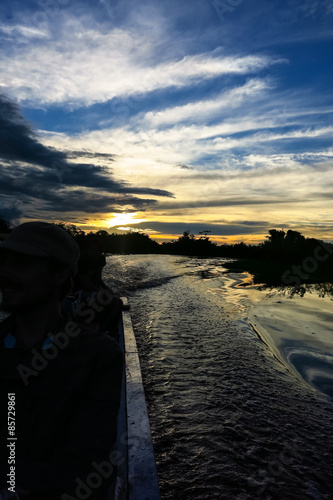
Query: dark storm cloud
[226, 202]
[184, 167]
[10, 211]
[196, 228]
[253, 223]
[33, 187]
[18, 141]
[32, 172]
[87, 154]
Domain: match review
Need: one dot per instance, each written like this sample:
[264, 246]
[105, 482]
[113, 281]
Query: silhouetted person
[90, 265]
[89, 285]
[66, 380]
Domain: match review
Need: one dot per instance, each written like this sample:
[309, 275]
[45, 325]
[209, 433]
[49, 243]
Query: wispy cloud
[13, 32]
[209, 108]
[89, 66]
[193, 144]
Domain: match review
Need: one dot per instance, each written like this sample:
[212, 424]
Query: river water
[238, 381]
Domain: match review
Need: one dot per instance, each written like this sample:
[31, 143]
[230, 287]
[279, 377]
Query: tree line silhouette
[267, 261]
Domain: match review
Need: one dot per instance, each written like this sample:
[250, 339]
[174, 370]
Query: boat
[136, 473]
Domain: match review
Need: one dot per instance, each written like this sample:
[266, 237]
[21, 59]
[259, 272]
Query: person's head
[92, 248]
[37, 262]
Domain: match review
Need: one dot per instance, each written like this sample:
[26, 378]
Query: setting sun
[124, 219]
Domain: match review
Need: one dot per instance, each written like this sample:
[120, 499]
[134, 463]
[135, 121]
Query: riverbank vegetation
[286, 258]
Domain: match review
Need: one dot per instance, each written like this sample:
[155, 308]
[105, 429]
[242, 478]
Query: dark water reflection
[321, 289]
[299, 330]
[314, 366]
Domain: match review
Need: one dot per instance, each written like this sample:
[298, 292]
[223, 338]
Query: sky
[165, 116]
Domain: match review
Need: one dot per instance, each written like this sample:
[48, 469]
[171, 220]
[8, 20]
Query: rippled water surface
[238, 389]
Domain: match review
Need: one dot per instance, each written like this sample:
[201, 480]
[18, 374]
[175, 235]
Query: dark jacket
[67, 401]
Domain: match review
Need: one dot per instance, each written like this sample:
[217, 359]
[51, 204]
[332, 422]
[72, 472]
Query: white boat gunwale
[137, 476]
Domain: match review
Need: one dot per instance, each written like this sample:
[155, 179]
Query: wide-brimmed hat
[43, 239]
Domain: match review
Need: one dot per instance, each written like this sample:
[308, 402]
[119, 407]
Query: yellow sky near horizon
[235, 203]
[160, 237]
